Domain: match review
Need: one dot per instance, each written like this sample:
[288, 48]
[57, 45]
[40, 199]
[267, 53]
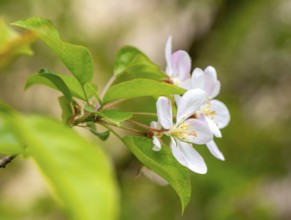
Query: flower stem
[144, 113]
[126, 128]
[114, 132]
[144, 126]
[110, 104]
[108, 84]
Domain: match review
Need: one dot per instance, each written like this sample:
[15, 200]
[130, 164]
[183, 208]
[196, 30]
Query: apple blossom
[186, 131]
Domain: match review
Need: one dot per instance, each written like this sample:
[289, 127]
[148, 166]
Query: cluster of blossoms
[199, 116]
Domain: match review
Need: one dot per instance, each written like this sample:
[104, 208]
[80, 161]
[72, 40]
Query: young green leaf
[132, 61]
[58, 83]
[77, 58]
[102, 135]
[67, 111]
[140, 87]
[113, 116]
[78, 170]
[13, 44]
[163, 163]
[71, 82]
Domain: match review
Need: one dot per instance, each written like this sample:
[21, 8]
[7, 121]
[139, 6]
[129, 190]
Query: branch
[6, 160]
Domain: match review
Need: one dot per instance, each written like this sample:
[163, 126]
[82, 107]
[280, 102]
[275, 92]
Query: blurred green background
[247, 41]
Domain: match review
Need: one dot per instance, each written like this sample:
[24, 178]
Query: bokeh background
[247, 41]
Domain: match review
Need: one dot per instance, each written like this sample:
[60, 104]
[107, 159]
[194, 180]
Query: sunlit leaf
[79, 171]
[163, 163]
[71, 82]
[132, 61]
[140, 87]
[13, 44]
[77, 58]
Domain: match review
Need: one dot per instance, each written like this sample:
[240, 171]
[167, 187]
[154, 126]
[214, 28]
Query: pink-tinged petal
[168, 54]
[197, 131]
[211, 82]
[189, 103]
[212, 147]
[186, 155]
[164, 112]
[181, 64]
[154, 177]
[213, 127]
[157, 144]
[198, 80]
[186, 84]
[222, 116]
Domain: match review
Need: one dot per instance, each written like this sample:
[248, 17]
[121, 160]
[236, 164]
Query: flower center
[205, 110]
[182, 132]
[176, 81]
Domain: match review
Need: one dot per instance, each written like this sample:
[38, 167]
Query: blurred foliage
[249, 43]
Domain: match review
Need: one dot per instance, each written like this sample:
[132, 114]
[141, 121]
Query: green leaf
[71, 82]
[13, 44]
[67, 111]
[113, 116]
[102, 135]
[163, 163]
[77, 58]
[132, 61]
[58, 83]
[10, 142]
[140, 87]
[78, 170]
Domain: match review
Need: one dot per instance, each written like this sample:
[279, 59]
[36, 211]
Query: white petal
[215, 90]
[212, 147]
[177, 99]
[155, 125]
[213, 127]
[168, 54]
[186, 155]
[186, 84]
[198, 79]
[164, 111]
[181, 64]
[198, 131]
[154, 177]
[157, 144]
[189, 103]
[222, 116]
[212, 85]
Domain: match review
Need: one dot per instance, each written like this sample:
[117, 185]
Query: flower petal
[212, 147]
[157, 144]
[164, 111]
[222, 116]
[186, 84]
[153, 176]
[198, 79]
[213, 127]
[181, 64]
[168, 54]
[198, 132]
[155, 125]
[215, 91]
[189, 103]
[186, 155]
[212, 85]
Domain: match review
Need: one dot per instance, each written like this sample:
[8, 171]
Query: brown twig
[6, 160]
